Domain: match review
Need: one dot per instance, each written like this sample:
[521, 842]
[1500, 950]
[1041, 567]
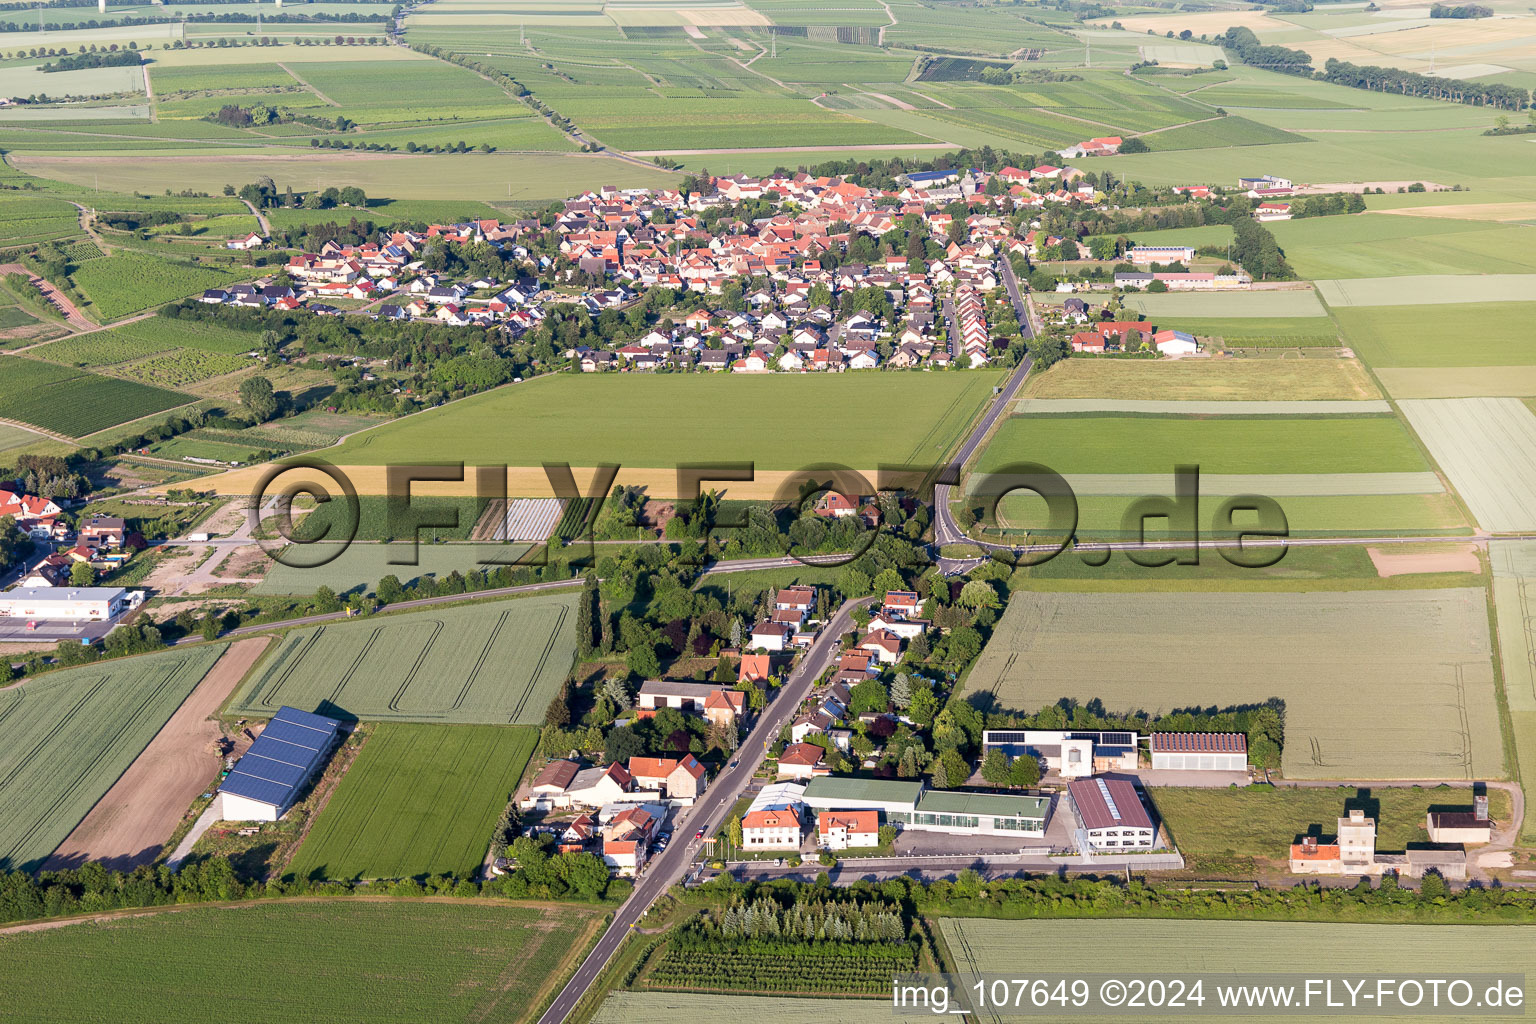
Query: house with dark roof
[1111, 814]
[267, 780]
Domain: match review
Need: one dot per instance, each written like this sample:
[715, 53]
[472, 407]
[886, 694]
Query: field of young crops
[67, 736]
[1470, 334]
[364, 961]
[183, 367]
[419, 800]
[670, 1007]
[1415, 664]
[1487, 447]
[74, 403]
[1126, 444]
[227, 77]
[1514, 593]
[984, 946]
[494, 663]
[725, 416]
[124, 284]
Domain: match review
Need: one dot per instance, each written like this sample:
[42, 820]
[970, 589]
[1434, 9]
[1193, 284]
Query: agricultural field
[1239, 829]
[1292, 380]
[1127, 444]
[66, 736]
[723, 417]
[450, 961]
[119, 285]
[100, 348]
[981, 946]
[493, 663]
[1514, 590]
[184, 367]
[1450, 335]
[1372, 245]
[1487, 448]
[34, 218]
[419, 800]
[1294, 303]
[359, 567]
[1415, 663]
[70, 402]
[667, 1007]
[1430, 290]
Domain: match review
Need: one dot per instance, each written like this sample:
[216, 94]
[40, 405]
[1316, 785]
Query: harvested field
[1487, 447]
[1416, 664]
[1429, 289]
[1273, 484]
[1458, 381]
[1515, 211]
[1514, 599]
[133, 820]
[66, 737]
[494, 663]
[1455, 558]
[1050, 406]
[419, 800]
[1194, 380]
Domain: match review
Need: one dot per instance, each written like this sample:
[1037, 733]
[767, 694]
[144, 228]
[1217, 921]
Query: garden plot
[1376, 685]
[1429, 289]
[496, 663]
[1514, 599]
[1487, 447]
[67, 736]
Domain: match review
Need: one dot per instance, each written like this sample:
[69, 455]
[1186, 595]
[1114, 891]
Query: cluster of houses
[1351, 850]
[102, 542]
[1130, 336]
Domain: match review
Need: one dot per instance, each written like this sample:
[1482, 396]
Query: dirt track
[130, 825]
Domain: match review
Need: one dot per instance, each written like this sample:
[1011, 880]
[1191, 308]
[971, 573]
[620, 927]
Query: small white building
[771, 636]
[69, 604]
[848, 830]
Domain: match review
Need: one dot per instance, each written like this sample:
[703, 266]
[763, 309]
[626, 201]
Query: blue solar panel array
[283, 757]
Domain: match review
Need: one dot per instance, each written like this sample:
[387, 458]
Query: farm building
[1112, 814]
[909, 805]
[1200, 751]
[1072, 754]
[81, 604]
[665, 693]
[1461, 826]
[1154, 254]
[267, 780]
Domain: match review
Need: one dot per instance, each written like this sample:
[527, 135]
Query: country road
[707, 814]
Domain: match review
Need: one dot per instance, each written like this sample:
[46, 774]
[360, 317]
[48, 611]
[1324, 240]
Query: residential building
[802, 761]
[725, 708]
[598, 787]
[848, 830]
[771, 829]
[771, 636]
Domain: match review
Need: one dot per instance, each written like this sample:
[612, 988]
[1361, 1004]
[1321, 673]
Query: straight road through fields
[663, 871]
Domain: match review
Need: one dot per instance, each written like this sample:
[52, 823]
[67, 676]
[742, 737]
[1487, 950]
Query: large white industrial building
[1200, 751]
[68, 604]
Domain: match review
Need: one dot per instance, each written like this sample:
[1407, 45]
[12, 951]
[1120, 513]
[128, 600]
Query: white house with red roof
[32, 514]
[848, 830]
[775, 828]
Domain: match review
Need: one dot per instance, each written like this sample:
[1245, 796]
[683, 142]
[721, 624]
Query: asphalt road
[663, 871]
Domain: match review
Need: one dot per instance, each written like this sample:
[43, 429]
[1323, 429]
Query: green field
[497, 662]
[1228, 380]
[1222, 947]
[1514, 588]
[366, 961]
[727, 417]
[1173, 305]
[1387, 245]
[419, 800]
[360, 567]
[124, 284]
[1415, 663]
[1473, 334]
[1235, 829]
[668, 1007]
[1129, 444]
[66, 737]
[71, 402]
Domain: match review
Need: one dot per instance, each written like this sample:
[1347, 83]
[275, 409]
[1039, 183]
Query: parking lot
[15, 630]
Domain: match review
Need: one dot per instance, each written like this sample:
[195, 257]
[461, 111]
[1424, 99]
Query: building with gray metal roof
[267, 780]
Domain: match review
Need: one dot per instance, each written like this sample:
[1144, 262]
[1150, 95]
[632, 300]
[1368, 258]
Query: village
[826, 276]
